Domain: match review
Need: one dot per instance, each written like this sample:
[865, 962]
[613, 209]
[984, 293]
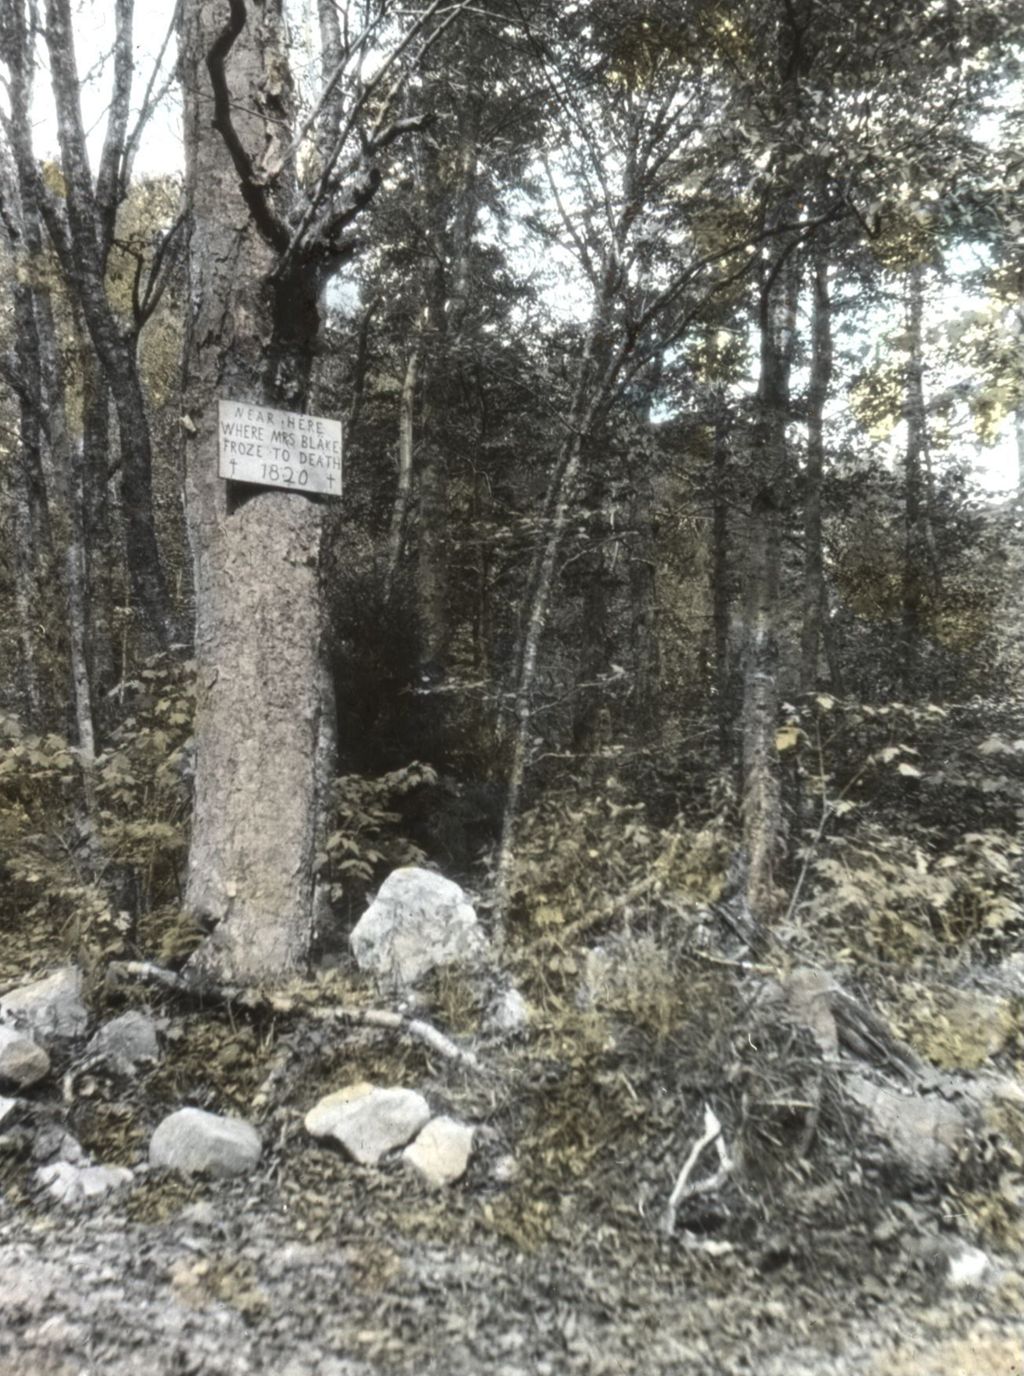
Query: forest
[630, 403]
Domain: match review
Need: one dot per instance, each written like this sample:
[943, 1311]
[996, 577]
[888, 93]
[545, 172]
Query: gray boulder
[50, 1007]
[920, 1134]
[418, 922]
[440, 1154]
[193, 1141]
[126, 1041]
[22, 1062]
[368, 1121]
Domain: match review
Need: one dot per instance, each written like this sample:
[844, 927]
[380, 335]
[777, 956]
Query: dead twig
[300, 1004]
[712, 1135]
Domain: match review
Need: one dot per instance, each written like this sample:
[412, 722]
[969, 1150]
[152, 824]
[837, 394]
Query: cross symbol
[331, 481]
[232, 467]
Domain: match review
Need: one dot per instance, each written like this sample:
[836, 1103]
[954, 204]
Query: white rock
[441, 1151]
[51, 1007]
[368, 1121]
[127, 1040]
[192, 1140]
[966, 1267]
[22, 1062]
[7, 1107]
[509, 1014]
[505, 1169]
[71, 1184]
[418, 922]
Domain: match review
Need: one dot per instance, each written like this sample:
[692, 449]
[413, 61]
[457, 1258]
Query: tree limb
[253, 189]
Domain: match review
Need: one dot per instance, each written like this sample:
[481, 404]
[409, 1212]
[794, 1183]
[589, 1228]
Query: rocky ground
[859, 1209]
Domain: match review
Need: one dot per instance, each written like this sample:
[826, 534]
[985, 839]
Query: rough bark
[262, 727]
[817, 394]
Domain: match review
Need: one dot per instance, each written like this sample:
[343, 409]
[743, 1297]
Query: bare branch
[110, 185]
[253, 189]
[150, 100]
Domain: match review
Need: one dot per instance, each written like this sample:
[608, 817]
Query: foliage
[367, 840]
[95, 848]
[914, 844]
[586, 856]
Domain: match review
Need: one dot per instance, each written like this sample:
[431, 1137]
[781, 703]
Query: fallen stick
[712, 1134]
[295, 1003]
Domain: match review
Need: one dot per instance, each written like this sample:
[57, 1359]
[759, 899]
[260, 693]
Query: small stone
[70, 1184]
[194, 1141]
[505, 1169]
[368, 1121]
[418, 922]
[22, 1062]
[509, 1014]
[50, 1007]
[966, 1267]
[54, 1143]
[441, 1151]
[127, 1040]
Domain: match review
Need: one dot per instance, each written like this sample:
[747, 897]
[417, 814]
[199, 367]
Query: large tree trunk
[263, 727]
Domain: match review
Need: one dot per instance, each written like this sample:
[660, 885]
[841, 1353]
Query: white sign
[279, 448]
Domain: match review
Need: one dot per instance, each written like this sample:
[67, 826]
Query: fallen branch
[295, 1003]
[712, 1135]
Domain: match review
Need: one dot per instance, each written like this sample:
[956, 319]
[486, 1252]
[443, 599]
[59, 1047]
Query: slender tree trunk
[78, 614]
[403, 494]
[82, 246]
[27, 591]
[817, 395]
[104, 567]
[44, 399]
[432, 594]
[263, 726]
[762, 797]
[720, 573]
[916, 506]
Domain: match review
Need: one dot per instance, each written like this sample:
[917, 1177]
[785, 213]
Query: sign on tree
[259, 444]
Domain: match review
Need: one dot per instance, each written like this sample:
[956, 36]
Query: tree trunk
[403, 493]
[720, 573]
[82, 246]
[263, 729]
[817, 394]
[762, 800]
[916, 513]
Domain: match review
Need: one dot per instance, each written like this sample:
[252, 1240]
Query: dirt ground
[316, 1266]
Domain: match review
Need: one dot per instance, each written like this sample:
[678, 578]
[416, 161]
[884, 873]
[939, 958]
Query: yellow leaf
[787, 737]
[910, 770]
